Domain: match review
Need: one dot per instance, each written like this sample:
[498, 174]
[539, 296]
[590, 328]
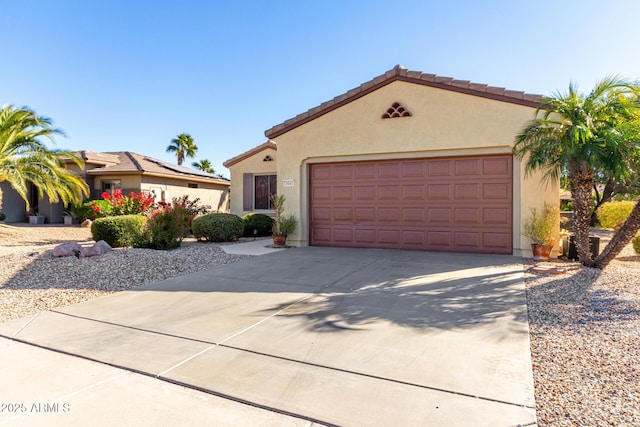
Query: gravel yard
[584, 324]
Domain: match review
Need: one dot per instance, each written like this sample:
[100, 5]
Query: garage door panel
[453, 204]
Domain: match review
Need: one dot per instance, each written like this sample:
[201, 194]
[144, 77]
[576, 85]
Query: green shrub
[190, 209]
[217, 227]
[260, 222]
[91, 209]
[613, 214]
[118, 231]
[163, 230]
[2, 216]
[636, 244]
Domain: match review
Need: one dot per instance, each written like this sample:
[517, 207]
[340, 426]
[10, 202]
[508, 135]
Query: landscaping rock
[67, 249]
[100, 248]
[86, 223]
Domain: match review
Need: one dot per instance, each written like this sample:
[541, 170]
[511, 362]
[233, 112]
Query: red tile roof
[247, 154]
[402, 74]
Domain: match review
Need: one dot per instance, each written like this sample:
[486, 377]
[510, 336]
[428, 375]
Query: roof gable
[399, 73]
[240, 157]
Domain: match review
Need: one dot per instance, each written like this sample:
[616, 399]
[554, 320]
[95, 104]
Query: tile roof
[247, 154]
[400, 73]
[128, 162]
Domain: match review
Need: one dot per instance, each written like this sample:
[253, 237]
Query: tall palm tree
[582, 136]
[204, 165]
[24, 159]
[183, 146]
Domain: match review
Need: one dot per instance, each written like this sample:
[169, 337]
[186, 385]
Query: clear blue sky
[130, 75]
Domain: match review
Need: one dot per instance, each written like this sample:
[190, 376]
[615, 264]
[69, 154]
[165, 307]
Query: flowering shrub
[133, 204]
[91, 209]
[164, 228]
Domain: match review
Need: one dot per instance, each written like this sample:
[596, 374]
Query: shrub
[2, 216]
[133, 204]
[636, 244]
[541, 225]
[163, 230]
[91, 209]
[217, 227]
[190, 208]
[118, 231]
[613, 214]
[260, 222]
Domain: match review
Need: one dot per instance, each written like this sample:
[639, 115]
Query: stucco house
[407, 160]
[126, 171]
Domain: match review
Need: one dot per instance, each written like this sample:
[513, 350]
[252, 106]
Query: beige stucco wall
[214, 195]
[256, 165]
[444, 123]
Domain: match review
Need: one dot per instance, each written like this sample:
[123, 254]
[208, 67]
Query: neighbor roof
[253, 151]
[402, 74]
[127, 162]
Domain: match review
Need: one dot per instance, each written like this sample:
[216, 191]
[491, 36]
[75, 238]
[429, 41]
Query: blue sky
[131, 75]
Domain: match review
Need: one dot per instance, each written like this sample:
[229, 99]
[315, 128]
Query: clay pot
[278, 240]
[541, 252]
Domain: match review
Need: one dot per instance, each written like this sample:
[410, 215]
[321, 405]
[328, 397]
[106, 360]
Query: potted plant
[540, 228]
[35, 218]
[283, 225]
[68, 217]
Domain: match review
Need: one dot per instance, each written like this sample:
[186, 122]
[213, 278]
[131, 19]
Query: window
[192, 185]
[110, 186]
[264, 187]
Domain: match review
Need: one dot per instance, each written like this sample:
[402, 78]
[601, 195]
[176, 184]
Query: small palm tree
[583, 136]
[24, 159]
[204, 165]
[183, 146]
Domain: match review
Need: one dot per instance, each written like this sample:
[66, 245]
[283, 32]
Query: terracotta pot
[541, 252]
[278, 240]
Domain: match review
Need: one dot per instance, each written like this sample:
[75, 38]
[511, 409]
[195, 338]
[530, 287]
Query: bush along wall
[260, 223]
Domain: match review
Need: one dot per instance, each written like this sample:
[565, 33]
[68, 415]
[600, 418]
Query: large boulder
[67, 249]
[100, 248]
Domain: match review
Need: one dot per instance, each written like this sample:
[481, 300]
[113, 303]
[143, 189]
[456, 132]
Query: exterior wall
[128, 184]
[12, 204]
[255, 165]
[444, 123]
[215, 195]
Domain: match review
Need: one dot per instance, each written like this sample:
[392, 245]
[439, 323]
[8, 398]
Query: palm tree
[183, 146]
[204, 165]
[24, 159]
[583, 136]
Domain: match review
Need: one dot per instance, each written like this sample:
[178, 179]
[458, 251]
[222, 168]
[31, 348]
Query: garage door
[461, 204]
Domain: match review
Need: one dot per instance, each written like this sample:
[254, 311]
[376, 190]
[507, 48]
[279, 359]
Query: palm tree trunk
[621, 238]
[581, 184]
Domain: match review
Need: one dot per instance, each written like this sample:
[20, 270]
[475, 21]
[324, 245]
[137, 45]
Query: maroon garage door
[461, 204]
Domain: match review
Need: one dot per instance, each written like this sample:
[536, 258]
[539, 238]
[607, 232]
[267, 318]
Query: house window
[192, 185]
[264, 187]
[111, 186]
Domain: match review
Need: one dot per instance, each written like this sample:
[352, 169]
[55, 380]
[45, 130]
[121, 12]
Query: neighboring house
[407, 160]
[127, 171]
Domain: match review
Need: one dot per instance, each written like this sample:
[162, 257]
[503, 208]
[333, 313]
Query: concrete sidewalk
[320, 336]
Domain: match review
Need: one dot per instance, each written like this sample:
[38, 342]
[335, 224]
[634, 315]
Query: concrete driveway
[308, 336]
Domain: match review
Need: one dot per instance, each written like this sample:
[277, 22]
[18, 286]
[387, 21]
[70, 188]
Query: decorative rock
[100, 248]
[86, 223]
[67, 249]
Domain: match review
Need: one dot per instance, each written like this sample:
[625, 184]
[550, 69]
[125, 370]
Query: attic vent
[267, 159]
[396, 110]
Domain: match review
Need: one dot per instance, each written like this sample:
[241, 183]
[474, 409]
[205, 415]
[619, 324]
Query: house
[407, 160]
[129, 172]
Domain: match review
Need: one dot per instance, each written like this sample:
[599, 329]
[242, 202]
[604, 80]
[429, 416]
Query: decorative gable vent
[396, 110]
[267, 159]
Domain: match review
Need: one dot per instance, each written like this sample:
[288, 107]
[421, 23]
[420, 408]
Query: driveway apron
[332, 336]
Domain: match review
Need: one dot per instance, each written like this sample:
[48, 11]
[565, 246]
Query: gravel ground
[584, 324]
[585, 342]
[31, 280]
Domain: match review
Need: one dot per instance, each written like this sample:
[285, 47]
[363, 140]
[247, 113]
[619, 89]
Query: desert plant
[260, 222]
[118, 231]
[91, 209]
[217, 227]
[636, 244]
[164, 229]
[190, 209]
[283, 225]
[540, 226]
[614, 214]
